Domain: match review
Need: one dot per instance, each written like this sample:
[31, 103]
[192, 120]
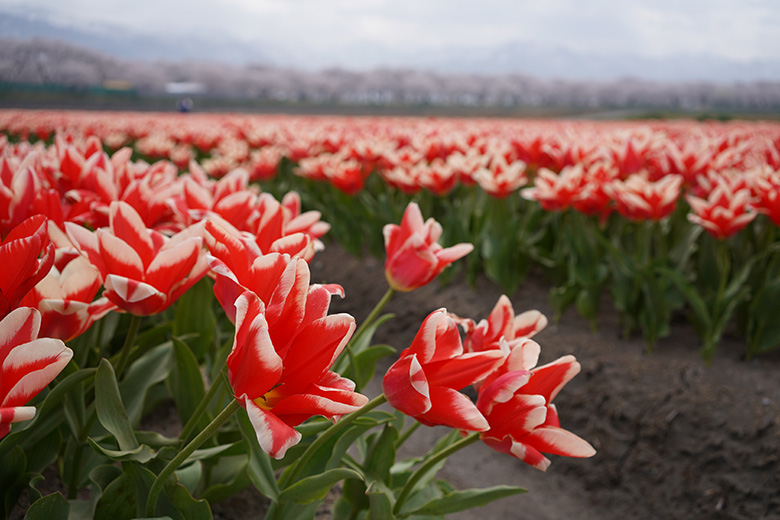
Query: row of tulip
[118, 259]
[631, 199]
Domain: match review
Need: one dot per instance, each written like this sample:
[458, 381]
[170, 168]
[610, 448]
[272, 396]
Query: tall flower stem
[132, 332]
[373, 314]
[196, 415]
[342, 423]
[203, 436]
[427, 465]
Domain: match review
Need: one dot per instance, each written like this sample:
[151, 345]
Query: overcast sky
[743, 30]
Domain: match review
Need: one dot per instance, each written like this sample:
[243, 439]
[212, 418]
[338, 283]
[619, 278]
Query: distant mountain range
[515, 57]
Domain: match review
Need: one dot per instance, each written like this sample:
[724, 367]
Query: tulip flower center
[269, 399]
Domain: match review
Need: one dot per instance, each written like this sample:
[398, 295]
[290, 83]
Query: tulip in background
[723, 213]
[414, 256]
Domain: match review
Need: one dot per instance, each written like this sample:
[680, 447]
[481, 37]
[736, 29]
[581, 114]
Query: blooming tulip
[414, 256]
[284, 379]
[503, 324]
[724, 213]
[65, 300]
[144, 272]
[425, 381]
[523, 421]
[638, 198]
[27, 364]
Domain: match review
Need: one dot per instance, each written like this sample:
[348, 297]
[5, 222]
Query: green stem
[342, 423]
[409, 431]
[427, 465]
[203, 436]
[184, 436]
[132, 332]
[372, 315]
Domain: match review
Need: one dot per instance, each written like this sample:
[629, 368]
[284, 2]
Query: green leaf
[117, 500]
[12, 468]
[380, 503]
[110, 410]
[189, 475]
[185, 381]
[194, 313]
[44, 452]
[259, 468]
[738, 282]
[701, 312]
[381, 454]
[764, 327]
[465, 499]
[151, 368]
[227, 478]
[50, 507]
[207, 453]
[366, 360]
[184, 503]
[141, 453]
[155, 440]
[316, 487]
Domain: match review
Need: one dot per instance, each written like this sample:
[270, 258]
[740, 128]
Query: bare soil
[676, 439]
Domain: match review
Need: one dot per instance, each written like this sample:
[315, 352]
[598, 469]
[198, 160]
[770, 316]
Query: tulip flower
[22, 267]
[522, 420]
[501, 179]
[637, 198]
[414, 256]
[503, 324]
[556, 192]
[27, 364]
[143, 271]
[724, 213]
[66, 300]
[238, 265]
[426, 380]
[283, 378]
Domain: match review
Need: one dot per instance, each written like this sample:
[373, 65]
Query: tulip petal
[254, 367]
[549, 379]
[463, 370]
[19, 326]
[274, 436]
[315, 348]
[128, 226]
[451, 408]
[29, 367]
[406, 387]
[557, 441]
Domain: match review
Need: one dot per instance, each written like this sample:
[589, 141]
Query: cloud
[738, 29]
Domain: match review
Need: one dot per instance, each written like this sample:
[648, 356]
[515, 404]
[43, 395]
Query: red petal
[274, 436]
[451, 408]
[464, 370]
[406, 387]
[128, 226]
[253, 364]
[548, 380]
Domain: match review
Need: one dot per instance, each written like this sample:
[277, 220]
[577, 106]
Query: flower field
[660, 219]
[166, 257]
